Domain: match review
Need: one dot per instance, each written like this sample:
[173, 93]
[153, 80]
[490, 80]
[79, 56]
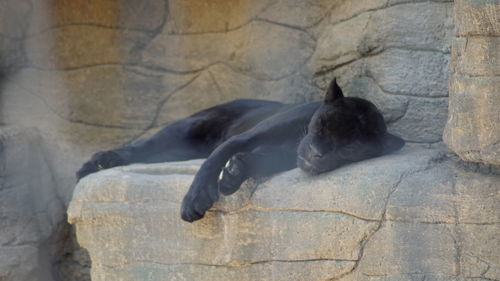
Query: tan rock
[399, 217]
[392, 107]
[374, 31]
[195, 16]
[411, 73]
[265, 51]
[170, 59]
[405, 248]
[297, 13]
[478, 56]
[125, 14]
[433, 201]
[272, 270]
[76, 46]
[430, 27]
[472, 129]
[477, 17]
[479, 244]
[472, 126]
[423, 121]
[344, 9]
[478, 205]
[220, 83]
[339, 43]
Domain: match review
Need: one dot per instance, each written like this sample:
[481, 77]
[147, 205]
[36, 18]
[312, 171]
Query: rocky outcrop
[399, 217]
[473, 127]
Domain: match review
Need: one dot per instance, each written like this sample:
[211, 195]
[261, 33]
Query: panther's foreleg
[285, 127]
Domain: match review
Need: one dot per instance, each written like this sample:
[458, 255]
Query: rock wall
[84, 68]
[91, 75]
[408, 216]
[473, 129]
[31, 213]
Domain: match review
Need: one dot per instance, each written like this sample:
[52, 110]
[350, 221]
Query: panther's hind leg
[262, 161]
[172, 143]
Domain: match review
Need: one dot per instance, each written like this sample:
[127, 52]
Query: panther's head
[344, 130]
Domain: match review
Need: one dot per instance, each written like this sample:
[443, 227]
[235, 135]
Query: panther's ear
[392, 143]
[334, 92]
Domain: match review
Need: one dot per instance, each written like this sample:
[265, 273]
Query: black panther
[255, 138]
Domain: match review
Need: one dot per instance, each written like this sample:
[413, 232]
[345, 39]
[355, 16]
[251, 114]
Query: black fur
[254, 138]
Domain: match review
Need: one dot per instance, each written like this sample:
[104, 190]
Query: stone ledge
[407, 215]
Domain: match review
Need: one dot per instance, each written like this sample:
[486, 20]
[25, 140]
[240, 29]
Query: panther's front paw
[99, 161]
[200, 197]
[233, 175]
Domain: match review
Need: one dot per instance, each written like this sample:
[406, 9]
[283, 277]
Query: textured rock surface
[173, 59]
[12, 27]
[96, 74]
[408, 216]
[31, 212]
[473, 127]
